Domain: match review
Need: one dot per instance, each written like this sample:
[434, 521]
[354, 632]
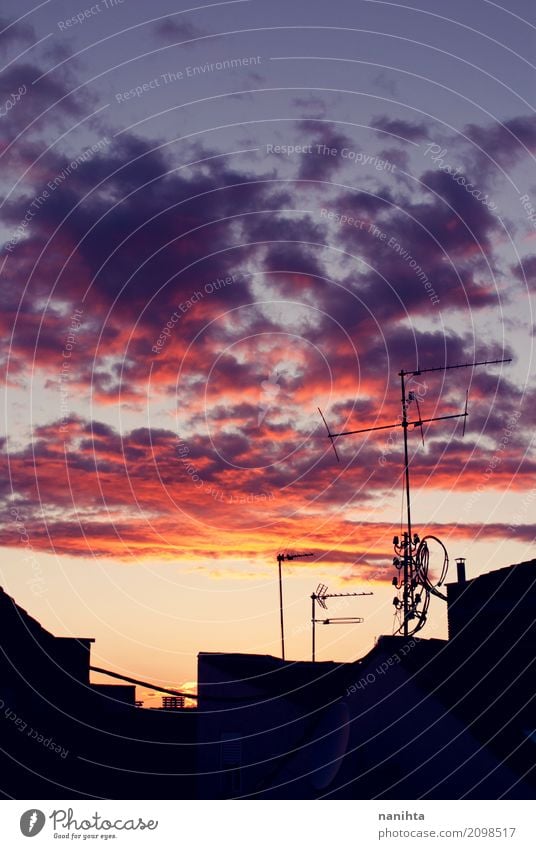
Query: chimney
[460, 566]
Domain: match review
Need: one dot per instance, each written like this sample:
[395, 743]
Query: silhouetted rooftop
[9, 604]
[496, 575]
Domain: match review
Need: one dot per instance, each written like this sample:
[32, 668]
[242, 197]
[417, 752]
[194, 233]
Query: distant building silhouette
[172, 702]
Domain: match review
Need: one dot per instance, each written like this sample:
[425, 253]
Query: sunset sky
[215, 221]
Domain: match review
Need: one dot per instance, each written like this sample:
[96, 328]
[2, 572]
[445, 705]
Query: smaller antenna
[319, 597]
[330, 435]
[321, 591]
[280, 559]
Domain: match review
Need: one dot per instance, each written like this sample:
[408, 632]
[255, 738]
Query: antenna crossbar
[457, 365]
[416, 423]
[341, 595]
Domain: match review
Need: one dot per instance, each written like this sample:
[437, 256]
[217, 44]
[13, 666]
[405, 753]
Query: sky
[215, 220]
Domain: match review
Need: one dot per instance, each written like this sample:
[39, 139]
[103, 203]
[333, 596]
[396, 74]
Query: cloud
[319, 164]
[505, 142]
[206, 282]
[15, 32]
[525, 271]
[387, 83]
[406, 130]
[178, 30]
[312, 105]
[83, 488]
[49, 101]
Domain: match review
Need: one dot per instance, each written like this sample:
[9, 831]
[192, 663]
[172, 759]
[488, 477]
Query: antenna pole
[313, 599]
[279, 560]
[407, 536]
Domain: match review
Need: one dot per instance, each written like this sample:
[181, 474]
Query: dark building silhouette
[62, 737]
[254, 710]
[34, 663]
[496, 608]
[397, 724]
[413, 718]
[120, 694]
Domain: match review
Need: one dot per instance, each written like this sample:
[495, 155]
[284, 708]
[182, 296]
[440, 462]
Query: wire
[422, 562]
[419, 592]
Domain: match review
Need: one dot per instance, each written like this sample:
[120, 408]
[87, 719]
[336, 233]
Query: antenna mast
[415, 585]
[280, 559]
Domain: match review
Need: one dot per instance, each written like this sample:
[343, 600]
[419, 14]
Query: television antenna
[412, 554]
[280, 559]
[319, 597]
